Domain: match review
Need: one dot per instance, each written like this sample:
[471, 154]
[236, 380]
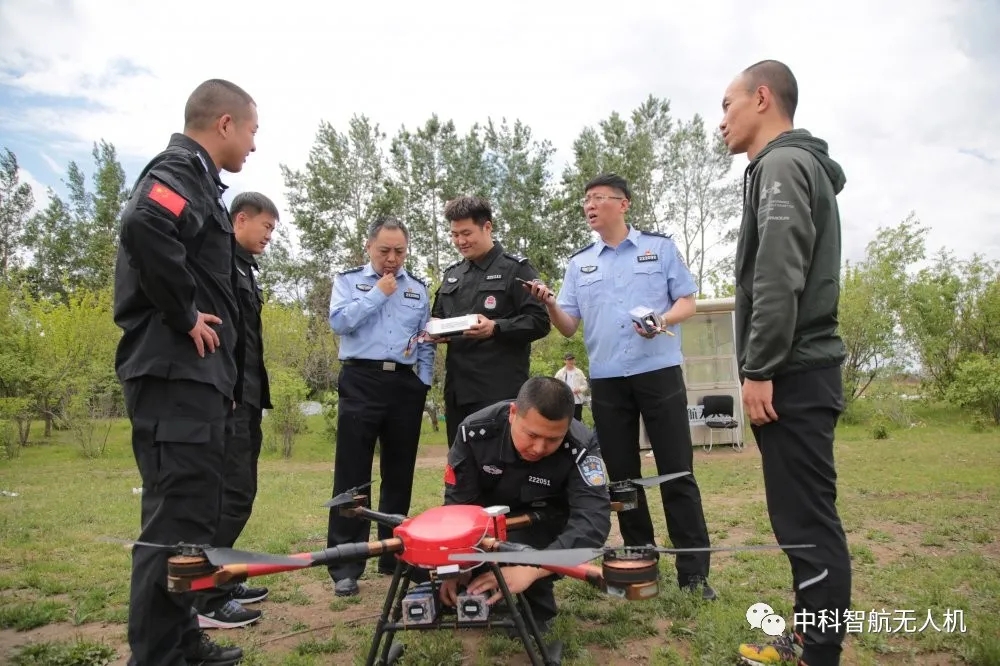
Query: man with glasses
[634, 371]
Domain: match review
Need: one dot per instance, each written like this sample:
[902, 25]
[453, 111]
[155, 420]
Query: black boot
[203, 652]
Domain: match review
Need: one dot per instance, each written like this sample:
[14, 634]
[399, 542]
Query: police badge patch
[592, 470]
[363, 287]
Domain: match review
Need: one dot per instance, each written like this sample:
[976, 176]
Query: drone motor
[631, 573]
[624, 496]
[183, 568]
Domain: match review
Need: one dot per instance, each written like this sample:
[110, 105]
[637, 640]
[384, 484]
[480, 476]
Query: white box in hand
[645, 318]
[451, 325]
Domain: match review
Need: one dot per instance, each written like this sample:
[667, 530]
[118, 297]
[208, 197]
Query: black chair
[719, 414]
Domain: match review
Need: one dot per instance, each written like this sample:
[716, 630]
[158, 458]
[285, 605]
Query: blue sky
[909, 108]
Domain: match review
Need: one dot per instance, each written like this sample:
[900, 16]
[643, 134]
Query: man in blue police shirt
[379, 311]
[633, 372]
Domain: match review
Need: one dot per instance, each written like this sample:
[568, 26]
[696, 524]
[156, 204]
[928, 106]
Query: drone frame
[478, 537]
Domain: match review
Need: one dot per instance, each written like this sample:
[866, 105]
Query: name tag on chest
[646, 257]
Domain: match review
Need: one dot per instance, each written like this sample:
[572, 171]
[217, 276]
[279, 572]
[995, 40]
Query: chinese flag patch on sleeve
[449, 475]
[167, 198]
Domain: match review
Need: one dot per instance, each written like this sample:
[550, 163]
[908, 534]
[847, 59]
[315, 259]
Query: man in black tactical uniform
[489, 362]
[531, 455]
[254, 218]
[178, 358]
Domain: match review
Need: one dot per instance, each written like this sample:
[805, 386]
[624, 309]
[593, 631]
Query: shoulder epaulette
[654, 233]
[448, 268]
[582, 249]
[351, 270]
[414, 277]
[480, 430]
[515, 257]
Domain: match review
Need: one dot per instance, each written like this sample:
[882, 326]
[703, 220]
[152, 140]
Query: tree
[952, 314]
[16, 202]
[432, 166]
[635, 149]
[701, 200]
[73, 243]
[100, 242]
[341, 191]
[516, 170]
[873, 294]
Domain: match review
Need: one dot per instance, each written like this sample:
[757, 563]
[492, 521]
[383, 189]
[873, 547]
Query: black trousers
[455, 413]
[800, 481]
[661, 398]
[178, 439]
[239, 488]
[387, 406]
[578, 412]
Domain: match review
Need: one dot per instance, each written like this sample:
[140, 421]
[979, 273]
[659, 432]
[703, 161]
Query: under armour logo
[766, 191]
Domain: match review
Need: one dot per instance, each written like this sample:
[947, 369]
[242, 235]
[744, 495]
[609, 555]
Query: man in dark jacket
[489, 362]
[788, 347]
[527, 454]
[254, 218]
[179, 358]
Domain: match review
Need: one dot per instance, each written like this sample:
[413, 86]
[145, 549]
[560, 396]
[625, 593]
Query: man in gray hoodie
[789, 350]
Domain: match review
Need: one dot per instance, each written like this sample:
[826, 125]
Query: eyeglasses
[597, 199]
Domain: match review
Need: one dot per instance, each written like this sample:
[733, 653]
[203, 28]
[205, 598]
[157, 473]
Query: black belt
[388, 366]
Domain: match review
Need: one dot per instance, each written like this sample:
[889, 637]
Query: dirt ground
[287, 624]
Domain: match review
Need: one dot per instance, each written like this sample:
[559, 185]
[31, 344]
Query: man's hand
[541, 292]
[204, 335]
[387, 283]
[449, 589]
[483, 328]
[518, 580]
[757, 401]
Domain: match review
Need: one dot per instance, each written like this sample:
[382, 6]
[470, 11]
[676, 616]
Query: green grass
[921, 507]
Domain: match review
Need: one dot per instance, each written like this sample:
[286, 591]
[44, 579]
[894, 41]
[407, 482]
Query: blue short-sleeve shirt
[602, 284]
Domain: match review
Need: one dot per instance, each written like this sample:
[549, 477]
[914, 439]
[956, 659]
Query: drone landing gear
[385, 651]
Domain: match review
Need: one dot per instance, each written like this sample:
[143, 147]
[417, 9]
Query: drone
[433, 545]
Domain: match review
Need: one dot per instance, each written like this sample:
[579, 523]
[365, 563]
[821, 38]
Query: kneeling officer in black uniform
[531, 455]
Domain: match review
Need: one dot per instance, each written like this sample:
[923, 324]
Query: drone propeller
[657, 480]
[346, 497]
[219, 557]
[571, 557]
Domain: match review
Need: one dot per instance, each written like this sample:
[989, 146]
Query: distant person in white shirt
[574, 377]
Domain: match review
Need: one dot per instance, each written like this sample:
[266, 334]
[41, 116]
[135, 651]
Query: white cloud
[897, 90]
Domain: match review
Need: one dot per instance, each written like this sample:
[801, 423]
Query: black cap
[569, 357]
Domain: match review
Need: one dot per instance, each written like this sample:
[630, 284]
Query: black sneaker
[203, 652]
[230, 615]
[696, 581]
[245, 594]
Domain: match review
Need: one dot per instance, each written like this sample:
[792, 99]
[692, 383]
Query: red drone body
[432, 536]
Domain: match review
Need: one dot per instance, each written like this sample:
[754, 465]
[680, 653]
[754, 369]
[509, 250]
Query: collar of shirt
[245, 255]
[632, 237]
[184, 141]
[487, 259]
